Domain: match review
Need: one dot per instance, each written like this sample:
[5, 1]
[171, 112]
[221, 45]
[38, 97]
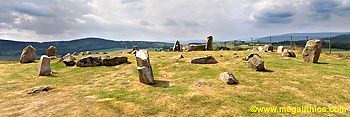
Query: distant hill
[337, 42]
[300, 36]
[12, 49]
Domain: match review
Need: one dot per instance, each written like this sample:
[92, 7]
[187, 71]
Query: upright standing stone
[28, 55]
[44, 66]
[144, 67]
[280, 49]
[209, 45]
[51, 51]
[312, 51]
[177, 46]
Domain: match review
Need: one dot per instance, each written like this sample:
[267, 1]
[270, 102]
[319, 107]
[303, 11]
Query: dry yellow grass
[116, 91]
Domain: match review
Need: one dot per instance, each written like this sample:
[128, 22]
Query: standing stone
[68, 60]
[44, 66]
[268, 48]
[89, 62]
[280, 49]
[228, 78]
[256, 63]
[51, 51]
[204, 60]
[288, 53]
[312, 51]
[209, 45]
[28, 55]
[177, 46]
[144, 67]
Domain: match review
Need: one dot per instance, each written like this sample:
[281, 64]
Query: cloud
[168, 20]
[273, 11]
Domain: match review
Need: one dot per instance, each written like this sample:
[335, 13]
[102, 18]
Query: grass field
[116, 91]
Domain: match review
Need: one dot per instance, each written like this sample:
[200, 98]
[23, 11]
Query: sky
[166, 20]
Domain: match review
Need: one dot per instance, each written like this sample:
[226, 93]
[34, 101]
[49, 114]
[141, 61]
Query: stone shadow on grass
[322, 63]
[266, 70]
[161, 83]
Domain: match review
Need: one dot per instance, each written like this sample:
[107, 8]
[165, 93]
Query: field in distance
[183, 89]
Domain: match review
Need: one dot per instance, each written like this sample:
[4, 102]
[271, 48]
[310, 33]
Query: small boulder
[280, 49]
[68, 60]
[89, 62]
[268, 48]
[51, 51]
[256, 63]
[288, 53]
[260, 48]
[114, 61]
[28, 55]
[44, 66]
[228, 78]
[40, 89]
[180, 57]
[250, 56]
[204, 60]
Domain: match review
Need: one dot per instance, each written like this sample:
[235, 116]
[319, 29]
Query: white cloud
[168, 19]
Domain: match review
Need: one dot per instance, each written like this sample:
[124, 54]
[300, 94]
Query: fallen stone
[204, 60]
[196, 47]
[89, 62]
[40, 89]
[114, 61]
